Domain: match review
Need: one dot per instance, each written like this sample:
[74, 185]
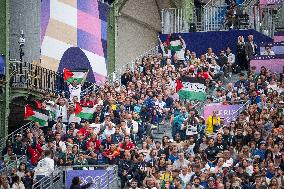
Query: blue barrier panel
[90, 176]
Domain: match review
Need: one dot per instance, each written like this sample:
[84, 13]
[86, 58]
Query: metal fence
[131, 65]
[58, 177]
[12, 136]
[212, 17]
[54, 181]
[179, 20]
[13, 163]
[36, 78]
[268, 17]
[32, 77]
[207, 18]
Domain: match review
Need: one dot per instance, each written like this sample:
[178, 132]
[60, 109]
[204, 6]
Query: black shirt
[211, 153]
[221, 146]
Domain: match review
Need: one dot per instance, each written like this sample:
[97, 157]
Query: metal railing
[36, 78]
[116, 75]
[268, 17]
[206, 18]
[13, 163]
[213, 17]
[215, 3]
[12, 136]
[53, 181]
[178, 20]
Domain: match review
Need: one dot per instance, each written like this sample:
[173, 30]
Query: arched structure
[75, 58]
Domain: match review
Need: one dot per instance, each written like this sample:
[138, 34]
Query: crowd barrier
[12, 136]
[53, 181]
[102, 176]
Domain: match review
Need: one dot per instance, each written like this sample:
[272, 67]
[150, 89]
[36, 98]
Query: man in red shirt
[85, 129]
[111, 154]
[126, 144]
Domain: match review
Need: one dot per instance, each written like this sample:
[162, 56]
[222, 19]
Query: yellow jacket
[210, 122]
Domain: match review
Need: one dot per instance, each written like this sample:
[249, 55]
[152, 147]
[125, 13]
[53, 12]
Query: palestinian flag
[175, 43]
[36, 115]
[84, 112]
[191, 88]
[52, 111]
[69, 76]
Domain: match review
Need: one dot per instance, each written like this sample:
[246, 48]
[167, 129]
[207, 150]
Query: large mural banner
[74, 35]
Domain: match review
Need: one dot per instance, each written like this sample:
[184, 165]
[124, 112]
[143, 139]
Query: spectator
[17, 183]
[202, 152]
[44, 167]
[76, 184]
[250, 48]
[212, 122]
[267, 51]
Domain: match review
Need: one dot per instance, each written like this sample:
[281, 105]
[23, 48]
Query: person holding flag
[75, 80]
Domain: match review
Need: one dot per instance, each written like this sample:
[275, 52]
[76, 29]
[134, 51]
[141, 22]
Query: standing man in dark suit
[251, 49]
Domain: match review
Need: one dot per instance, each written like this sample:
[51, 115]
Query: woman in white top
[17, 183]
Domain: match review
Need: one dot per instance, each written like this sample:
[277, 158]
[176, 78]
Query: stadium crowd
[246, 153]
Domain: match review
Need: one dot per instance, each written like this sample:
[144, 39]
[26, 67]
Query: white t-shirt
[96, 127]
[45, 167]
[63, 126]
[180, 54]
[61, 111]
[108, 132]
[75, 91]
[185, 178]
[231, 58]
